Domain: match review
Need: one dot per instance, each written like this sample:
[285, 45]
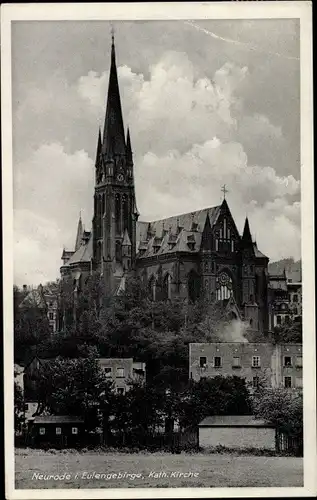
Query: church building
[187, 255]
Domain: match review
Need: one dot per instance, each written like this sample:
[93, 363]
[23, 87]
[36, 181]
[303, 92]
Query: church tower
[115, 212]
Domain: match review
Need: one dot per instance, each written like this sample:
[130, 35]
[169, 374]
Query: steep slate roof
[174, 233]
[34, 298]
[83, 254]
[57, 419]
[233, 421]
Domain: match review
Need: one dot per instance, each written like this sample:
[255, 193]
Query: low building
[274, 365]
[53, 430]
[121, 371]
[240, 432]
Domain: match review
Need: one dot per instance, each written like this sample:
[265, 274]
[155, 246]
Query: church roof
[257, 252]
[83, 254]
[181, 233]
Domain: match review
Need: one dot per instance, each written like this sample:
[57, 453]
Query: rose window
[224, 286]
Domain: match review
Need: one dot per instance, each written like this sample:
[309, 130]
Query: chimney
[25, 288]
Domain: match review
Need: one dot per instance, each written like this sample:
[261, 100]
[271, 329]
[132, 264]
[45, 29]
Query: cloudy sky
[207, 103]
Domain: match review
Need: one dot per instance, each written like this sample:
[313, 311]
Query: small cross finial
[225, 191]
[112, 32]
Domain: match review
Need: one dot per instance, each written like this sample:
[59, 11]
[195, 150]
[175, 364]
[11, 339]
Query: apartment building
[274, 365]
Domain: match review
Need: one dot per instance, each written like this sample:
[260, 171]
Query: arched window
[224, 286]
[193, 284]
[118, 214]
[98, 251]
[125, 205]
[152, 288]
[118, 251]
[166, 290]
[103, 204]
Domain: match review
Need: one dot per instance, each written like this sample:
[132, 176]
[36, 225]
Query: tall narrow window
[118, 251]
[225, 229]
[118, 214]
[152, 288]
[167, 287]
[103, 204]
[193, 284]
[125, 204]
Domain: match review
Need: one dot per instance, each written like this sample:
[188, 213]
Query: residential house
[274, 365]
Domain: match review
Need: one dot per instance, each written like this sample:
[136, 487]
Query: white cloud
[189, 138]
[51, 187]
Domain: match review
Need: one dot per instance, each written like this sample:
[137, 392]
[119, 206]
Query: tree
[289, 332]
[213, 396]
[18, 408]
[31, 326]
[281, 407]
[73, 387]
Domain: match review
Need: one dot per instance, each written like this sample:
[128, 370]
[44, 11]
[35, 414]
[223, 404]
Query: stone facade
[186, 256]
[274, 365]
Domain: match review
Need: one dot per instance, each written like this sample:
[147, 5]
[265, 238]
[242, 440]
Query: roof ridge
[180, 215]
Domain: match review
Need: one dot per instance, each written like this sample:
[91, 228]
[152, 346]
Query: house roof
[57, 419]
[233, 421]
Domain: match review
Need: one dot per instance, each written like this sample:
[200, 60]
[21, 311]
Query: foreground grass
[153, 470]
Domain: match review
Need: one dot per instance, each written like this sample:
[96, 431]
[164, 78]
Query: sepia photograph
[159, 333]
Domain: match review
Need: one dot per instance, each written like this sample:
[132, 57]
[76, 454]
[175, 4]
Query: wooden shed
[57, 430]
[236, 431]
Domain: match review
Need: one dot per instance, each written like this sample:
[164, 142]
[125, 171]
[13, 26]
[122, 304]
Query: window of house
[120, 390]
[232, 246]
[299, 361]
[295, 298]
[202, 361]
[120, 372]
[287, 319]
[74, 430]
[251, 322]
[256, 361]
[217, 361]
[107, 372]
[255, 382]
[278, 320]
[58, 430]
[298, 382]
[50, 315]
[236, 361]
[287, 361]
[287, 382]
[42, 431]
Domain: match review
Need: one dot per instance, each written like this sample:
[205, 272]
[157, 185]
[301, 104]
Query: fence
[171, 441]
[292, 445]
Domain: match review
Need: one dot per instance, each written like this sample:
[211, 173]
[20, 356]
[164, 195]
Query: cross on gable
[224, 190]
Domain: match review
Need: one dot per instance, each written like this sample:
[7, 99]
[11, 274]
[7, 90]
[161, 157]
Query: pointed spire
[246, 237]
[99, 146]
[80, 233]
[113, 134]
[129, 149]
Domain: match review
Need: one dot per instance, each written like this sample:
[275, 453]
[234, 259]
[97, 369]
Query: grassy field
[156, 470]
